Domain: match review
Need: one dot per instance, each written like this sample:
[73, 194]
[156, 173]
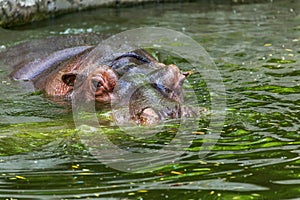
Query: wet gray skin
[154, 90]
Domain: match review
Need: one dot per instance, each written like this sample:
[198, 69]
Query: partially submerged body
[154, 90]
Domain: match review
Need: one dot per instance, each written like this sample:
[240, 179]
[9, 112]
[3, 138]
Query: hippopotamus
[68, 72]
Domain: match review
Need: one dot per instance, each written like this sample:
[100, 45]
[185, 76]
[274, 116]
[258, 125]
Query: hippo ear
[69, 78]
[187, 73]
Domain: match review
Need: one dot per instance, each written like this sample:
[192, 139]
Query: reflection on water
[256, 48]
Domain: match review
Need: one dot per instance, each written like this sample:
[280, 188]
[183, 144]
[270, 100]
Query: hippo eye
[96, 83]
[162, 88]
[123, 68]
[128, 67]
[167, 92]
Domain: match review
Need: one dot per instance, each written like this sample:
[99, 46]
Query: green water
[256, 48]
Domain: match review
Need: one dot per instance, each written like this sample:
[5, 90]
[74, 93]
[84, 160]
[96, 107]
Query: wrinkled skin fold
[152, 90]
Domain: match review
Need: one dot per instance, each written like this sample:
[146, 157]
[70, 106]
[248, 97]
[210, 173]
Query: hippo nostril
[148, 116]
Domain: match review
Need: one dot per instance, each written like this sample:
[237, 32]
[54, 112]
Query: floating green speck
[280, 61]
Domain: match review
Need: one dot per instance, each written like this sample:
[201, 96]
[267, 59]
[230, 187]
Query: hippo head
[152, 90]
[161, 98]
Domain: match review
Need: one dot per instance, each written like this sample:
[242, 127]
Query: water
[256, 48]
